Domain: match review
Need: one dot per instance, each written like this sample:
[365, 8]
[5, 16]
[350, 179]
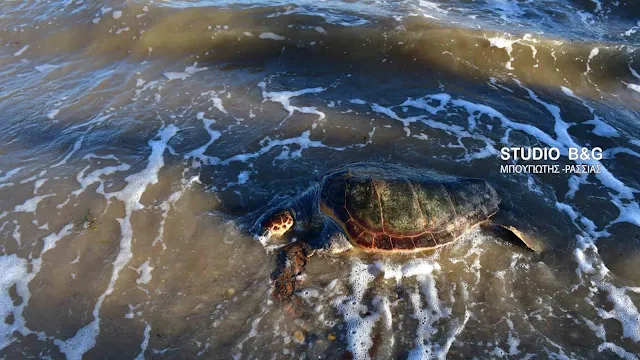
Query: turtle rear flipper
[517, 236]
[523, 233]
[291, 261]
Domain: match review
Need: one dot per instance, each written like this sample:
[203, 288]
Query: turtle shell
[392, 207]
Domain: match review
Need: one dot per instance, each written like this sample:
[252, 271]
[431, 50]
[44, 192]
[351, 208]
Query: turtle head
[278, 223]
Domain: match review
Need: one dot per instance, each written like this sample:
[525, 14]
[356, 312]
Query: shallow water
[139, 141]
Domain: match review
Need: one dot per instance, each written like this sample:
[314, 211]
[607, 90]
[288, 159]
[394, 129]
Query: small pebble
[298, 336]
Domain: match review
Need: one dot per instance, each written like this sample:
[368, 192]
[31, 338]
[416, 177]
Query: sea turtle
[378, 207]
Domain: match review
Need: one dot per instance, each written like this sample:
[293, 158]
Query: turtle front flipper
[291, 261]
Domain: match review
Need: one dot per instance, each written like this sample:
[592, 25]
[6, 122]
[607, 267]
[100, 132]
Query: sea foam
[85, 339]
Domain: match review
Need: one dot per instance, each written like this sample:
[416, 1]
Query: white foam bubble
[199, 152]
[16, 232]
[96, 176]
[513, 341]
[214, 97]
[270, 35]
[620, 351]
[427, 318]
[252, 333]
[14, 272]
[76, 147]
[575, 181]
[99, 119]
[145, 342]
[593, 53]
[612, 152]
[414, 267]
[632, 30]
[21, 51]
[494, 82]
[29, 179]
[50, 241]
[392, 114]
[598, 330]
[359, 327]
[188, 71]
[146, 86]
[284, 98]
[45, 68]
[303, 141]
[243, 177]
[429, 9]
[6, 185]
[144, 273]
[633, 87]
[506, 44]
[383, 304]
[166, 206]
[567, 209]
[624, 310]
[53, 113]
[601, 127]
[9, 174]
[633, 72]
[31, 205]
[629, 212]
[330, 17]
